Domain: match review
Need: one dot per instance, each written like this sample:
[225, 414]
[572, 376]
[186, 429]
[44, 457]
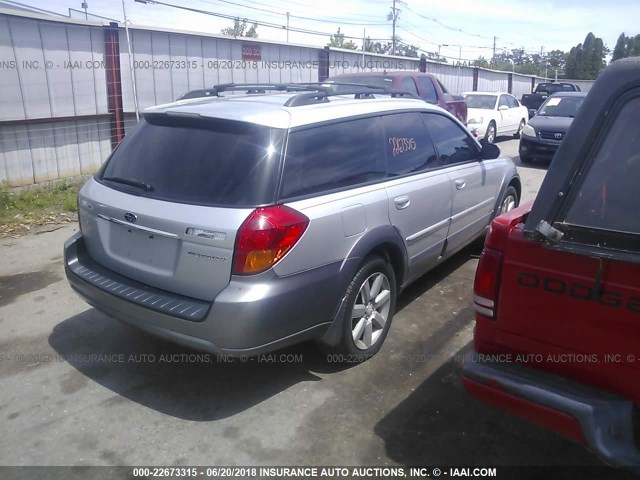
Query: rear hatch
[581, 314]
[571, 276]
[165, 208]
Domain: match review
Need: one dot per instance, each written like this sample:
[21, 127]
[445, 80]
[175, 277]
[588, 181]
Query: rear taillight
[487, 283]
[265, 237]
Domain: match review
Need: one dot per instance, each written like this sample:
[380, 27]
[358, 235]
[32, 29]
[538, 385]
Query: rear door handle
[460, 183]
[402, 202]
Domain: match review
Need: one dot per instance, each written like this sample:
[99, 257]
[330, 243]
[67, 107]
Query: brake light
[487, 283]
[265, 237]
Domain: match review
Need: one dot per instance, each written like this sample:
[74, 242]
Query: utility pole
[364, 45]
[287, 27]
[393, 16]
[494, 47]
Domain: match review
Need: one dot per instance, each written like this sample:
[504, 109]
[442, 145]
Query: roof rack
[309, 93]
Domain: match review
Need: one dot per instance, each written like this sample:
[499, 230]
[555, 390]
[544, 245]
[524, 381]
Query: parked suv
[245, 223]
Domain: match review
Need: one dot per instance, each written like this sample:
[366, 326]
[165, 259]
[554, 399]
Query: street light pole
[133, 79]
[459, 61]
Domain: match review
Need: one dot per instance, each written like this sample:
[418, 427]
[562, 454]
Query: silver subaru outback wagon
[241, 224]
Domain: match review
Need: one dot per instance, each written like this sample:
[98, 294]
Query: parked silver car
[244, 223]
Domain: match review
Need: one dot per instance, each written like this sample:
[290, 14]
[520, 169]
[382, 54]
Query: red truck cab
[557, 287]
[425, 85]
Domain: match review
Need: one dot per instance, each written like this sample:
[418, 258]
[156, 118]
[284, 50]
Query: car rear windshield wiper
[127, 181]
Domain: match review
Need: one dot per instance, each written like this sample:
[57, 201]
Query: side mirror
[503, 108]
[489, 150]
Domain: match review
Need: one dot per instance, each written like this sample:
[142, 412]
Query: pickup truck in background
[557, 287]
[533, 100]
[425, 85]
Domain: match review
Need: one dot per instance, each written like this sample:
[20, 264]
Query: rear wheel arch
[515, 183]
[393, 255]
[384, 242]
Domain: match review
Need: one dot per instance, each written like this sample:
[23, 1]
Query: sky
[455, 28]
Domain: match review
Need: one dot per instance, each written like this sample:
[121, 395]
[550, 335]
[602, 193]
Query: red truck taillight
[487, 283]
[265, 237]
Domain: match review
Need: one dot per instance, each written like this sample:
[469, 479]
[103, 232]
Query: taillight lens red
[487, 282]
[265, 237]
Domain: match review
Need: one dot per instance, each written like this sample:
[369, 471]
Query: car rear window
[200, 161]
[608, 198]
[487, 102]
[550, 88]
[372, 81]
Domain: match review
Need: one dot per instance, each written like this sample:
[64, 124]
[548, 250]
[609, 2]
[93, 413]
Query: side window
[503, 101]
[428, 90]
[512, 102]
[408, 85]
[442, 87]
[333, 156]
[409, 148]
[452, 142]
[608, 196]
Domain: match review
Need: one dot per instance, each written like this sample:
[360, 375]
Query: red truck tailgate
[584, 324]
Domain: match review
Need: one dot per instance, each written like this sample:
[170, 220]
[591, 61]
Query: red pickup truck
[557, 287]
[425, 85]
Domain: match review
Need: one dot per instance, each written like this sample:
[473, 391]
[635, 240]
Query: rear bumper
[251, 316]
[599, 420]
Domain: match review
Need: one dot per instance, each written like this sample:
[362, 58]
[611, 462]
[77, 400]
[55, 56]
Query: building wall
[65, 103]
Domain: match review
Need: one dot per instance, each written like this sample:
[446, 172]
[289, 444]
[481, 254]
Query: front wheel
[490, 136]
[369, 308]
[509, 200]
[520, 127]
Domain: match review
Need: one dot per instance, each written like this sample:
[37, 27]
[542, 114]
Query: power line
[435, 20]
[328, 20]
[257, 22]
[287, 6]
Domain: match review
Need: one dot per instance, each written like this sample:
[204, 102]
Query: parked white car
[494, 113]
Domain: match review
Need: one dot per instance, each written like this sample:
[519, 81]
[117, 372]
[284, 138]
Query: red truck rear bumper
[600, 421]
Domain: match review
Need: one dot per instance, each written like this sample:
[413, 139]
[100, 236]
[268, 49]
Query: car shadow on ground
[176, 380]
[504, 138]
[440, 424]
[193, 385]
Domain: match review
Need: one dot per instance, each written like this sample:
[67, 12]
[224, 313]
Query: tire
[520, 127]
[362, 335]
[509, 200]
[490, 136]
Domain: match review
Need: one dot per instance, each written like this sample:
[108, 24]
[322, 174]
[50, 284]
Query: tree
[620, 48]
[338, 41]
[556, 60]
[626, 47]
[406, 50]
[402, 49]
[435, 57]
[586, 61]
[481, 62]
[240, 29]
